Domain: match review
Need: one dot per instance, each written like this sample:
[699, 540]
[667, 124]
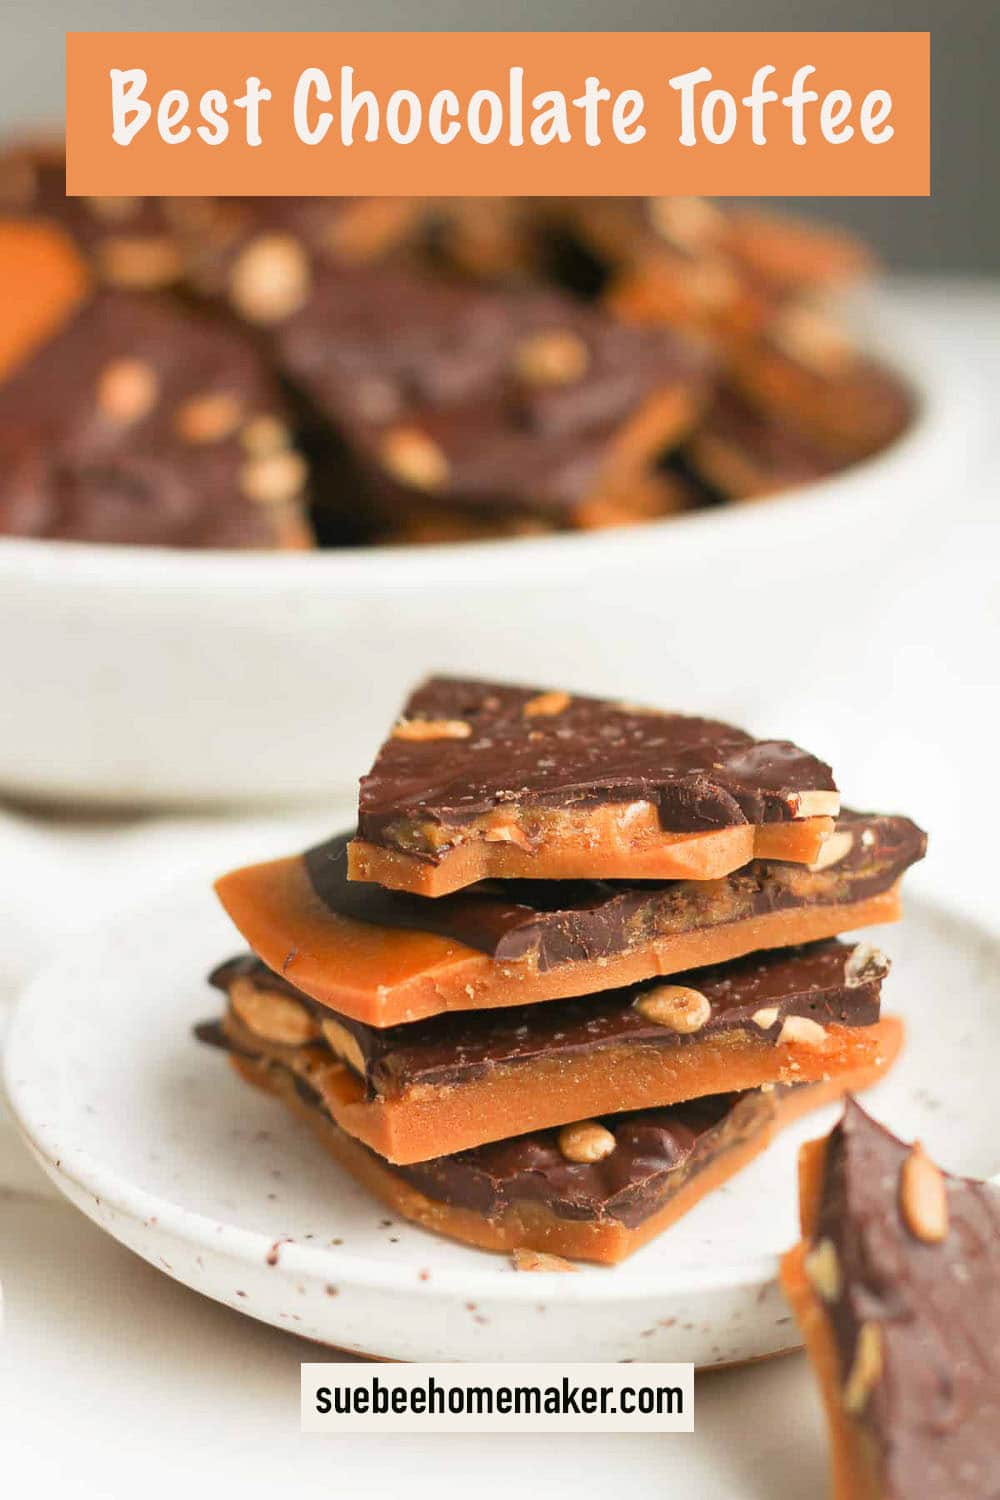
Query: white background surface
[114, 1381]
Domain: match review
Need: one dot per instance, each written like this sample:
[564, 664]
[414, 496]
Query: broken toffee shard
[481, 780]
[597, 1191]
[133, 423]
[488, 402]
[896, 1288]
[386, 957]
[450, 1083]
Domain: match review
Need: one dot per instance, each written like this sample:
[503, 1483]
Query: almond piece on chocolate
[817, 804]
[813, 340]
[865, 965]
[139, 262]
[923, 1198]
[823, 1269]
[866, 1371]
[586, 1141]
[270, 279]
[345, 1045]
[431, 729]
[546, 705]
[676, 1007]
[553, 358]
[127, 390]
[274, 478]
[272, 1015]
[803, 1031]
[835, 848]
[208, 418]
[413, 458]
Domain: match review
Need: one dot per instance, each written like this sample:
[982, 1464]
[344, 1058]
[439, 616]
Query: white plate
[154, 1137]
[172, 677]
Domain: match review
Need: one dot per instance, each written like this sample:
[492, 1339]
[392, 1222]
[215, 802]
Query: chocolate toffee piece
[896, 1287]
[499, 239]
[263, 255]
[742, 453]
[435, 1087]
[129, 242]
[771, 255]
[519, 402]
[805, 371]
[44, 280]
[650, 497]
[595, 1191]
[689, 263]
[481, 780]
[141, 422]
[386, 957]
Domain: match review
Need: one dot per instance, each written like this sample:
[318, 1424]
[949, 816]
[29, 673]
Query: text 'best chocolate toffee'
[481, 780]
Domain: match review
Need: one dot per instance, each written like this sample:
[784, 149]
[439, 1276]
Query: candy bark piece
[263, 255]
[649, 497]
[776, 254]
[806, 372]
[742, 453]
[221, 246]
[44, 281]
[386, 957]
[481, 780]
[896, 1288]
[455, 397]
[451, 1083]
[690, 263]
[139, 422]
[128, 242]
[524, 1194]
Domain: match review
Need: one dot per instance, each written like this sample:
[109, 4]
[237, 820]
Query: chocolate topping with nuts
[129, 242]
[917, 1317]
[699, 774]
[655, 1152]
[443, 1051]
[126, 427]
[559, 922]
[494, 402]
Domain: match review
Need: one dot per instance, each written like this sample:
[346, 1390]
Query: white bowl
[143, 676]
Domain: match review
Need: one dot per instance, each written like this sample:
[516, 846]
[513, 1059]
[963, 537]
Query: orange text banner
[503, 112]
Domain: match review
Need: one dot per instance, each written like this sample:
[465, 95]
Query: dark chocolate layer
[494, 402]
[745, 454]
[375, 347]
[128, 241]
[827, 982]
[657, 1151]
[139, 422]
[558, 922]
[934, 1409]
[699, 773]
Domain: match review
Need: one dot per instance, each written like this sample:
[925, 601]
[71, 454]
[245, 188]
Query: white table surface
[116, 1381]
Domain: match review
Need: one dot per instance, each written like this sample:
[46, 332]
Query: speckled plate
[154, 1138]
